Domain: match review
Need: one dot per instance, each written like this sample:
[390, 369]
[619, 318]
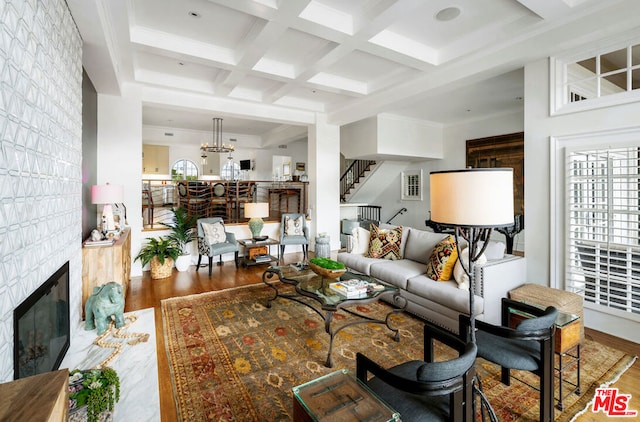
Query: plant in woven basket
[159, 250]
[98, 389]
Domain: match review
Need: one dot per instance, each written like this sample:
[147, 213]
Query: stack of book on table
[354, 289]
[105, 242]
[262, 258]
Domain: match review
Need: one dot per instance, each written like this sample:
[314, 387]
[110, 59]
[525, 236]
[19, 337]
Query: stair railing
[402, 211]
[352, 175]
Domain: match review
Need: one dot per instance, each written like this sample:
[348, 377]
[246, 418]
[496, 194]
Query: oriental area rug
[233, 359]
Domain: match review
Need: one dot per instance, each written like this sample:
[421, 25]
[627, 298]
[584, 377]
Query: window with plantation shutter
[602, 211]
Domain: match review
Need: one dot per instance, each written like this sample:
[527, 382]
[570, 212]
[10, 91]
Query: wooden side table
[102, 264]
[43, 397]
[567, 347]
[258, 252]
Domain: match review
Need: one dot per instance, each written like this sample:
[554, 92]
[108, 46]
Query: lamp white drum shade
[107, 194]
[472, 197]
[256, 209]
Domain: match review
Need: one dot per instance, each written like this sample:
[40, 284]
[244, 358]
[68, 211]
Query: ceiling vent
[282, 146]
[233, 140]
[168, 134]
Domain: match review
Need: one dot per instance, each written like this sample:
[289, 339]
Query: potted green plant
[182, 234]
[92, 392]
[160, 254]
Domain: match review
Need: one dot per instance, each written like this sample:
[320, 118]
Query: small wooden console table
[102, 264]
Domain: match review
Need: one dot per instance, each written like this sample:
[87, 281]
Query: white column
[324, 178]
[120, 158]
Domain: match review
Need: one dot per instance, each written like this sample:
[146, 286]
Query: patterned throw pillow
[442, 260]
[214, 232]
[385, 243]
[293, 226]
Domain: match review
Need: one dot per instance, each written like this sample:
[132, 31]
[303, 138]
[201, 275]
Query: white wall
[454, 152]
[539, 128]
[119, 157]
[391, 136]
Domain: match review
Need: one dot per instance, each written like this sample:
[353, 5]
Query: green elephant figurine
[105, 303]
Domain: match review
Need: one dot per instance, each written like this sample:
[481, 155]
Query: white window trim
[557, 70]
[558, 243]
[406, 196]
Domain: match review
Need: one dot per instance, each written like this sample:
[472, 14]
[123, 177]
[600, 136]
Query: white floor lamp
[473, 201]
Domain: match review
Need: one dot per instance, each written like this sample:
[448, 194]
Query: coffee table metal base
[326, 312]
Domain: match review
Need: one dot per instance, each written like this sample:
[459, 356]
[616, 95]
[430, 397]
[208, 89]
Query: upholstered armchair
[294, 231]
[528, 346]
[214, 240]
[426, 391]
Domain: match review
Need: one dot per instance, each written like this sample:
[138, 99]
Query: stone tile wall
[40, 156]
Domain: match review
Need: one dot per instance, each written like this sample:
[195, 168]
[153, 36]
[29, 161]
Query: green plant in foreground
[98, 389]
[327, 263]
[162, 248]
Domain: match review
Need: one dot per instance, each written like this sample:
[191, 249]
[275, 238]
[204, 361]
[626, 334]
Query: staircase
[353, 175]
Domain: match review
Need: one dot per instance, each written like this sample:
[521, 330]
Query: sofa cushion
[396, 272]
[495, 250]
[459, 274]
[446, 293]
[360, 240]
[357, 262]
[419, 244]
[443, 258]
[385, 243]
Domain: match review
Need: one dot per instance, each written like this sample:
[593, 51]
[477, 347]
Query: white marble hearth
[137, 367]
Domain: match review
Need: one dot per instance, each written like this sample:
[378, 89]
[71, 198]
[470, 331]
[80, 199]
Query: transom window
[611, 76]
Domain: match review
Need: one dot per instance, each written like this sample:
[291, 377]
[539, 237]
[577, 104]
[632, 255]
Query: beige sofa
[440, 302]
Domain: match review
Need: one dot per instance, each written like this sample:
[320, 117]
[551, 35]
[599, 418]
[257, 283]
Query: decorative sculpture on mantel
[105, 303]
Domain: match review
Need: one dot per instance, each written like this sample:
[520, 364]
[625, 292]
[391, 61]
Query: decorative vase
[159, 270]
[183, 262]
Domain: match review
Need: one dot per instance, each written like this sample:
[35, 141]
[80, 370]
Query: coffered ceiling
[261, 64]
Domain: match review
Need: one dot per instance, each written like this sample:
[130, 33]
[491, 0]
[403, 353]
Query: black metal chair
[426, 391]
[527, 345]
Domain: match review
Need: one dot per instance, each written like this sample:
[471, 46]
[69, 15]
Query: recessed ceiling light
[194, 14]
[448, 14]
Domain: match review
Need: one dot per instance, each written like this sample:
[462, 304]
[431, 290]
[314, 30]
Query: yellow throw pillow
[442, 260]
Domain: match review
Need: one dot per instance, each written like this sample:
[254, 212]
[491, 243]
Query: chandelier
[217, 146]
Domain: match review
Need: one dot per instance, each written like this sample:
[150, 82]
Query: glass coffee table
[325, 302]
[339, 396]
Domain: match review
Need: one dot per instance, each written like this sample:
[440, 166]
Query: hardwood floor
[147, 293]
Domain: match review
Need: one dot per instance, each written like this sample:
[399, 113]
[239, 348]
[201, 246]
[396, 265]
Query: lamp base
[260, 238]
[255, 225]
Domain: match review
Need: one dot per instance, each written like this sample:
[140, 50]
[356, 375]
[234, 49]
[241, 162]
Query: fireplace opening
[41, 327]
